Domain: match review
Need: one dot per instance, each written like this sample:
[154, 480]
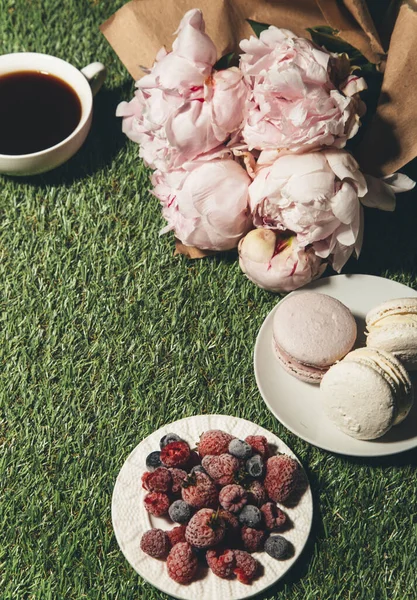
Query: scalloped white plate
[297, 404]
[131, 520]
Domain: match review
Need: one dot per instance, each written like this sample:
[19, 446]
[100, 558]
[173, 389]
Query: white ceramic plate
[297, 404]
[131, 520]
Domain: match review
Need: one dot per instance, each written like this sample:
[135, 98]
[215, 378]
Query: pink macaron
[312, 331]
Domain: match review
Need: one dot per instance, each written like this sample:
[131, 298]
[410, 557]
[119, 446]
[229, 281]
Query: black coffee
[37, 111]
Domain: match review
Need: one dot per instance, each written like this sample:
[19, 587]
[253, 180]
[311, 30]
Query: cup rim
[84, 117]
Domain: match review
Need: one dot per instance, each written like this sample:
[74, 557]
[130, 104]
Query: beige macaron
[366, 393]
[392, 326]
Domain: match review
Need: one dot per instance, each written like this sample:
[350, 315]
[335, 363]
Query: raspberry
[214, 442]
[156, 503]
[253, 539]
[221, 562]
[233, 497]
[274, 517]
[155, 542]
[250, 515]
[255, 466]
[175, 454]
[278, 547]
[180, 511]
[177, 534]
[221, 468]
[259, 445]
[153, 460]
[168, 438]
[182, 563]
[206, 528]
[256, 493]
[178, 476]
[282, 473]
[240, 449]
[199, 491]
[159, 480]
[246, 566]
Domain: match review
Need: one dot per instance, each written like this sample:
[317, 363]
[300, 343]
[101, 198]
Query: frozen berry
[168, 438]
[253, 539]
[178, 476]
[255, 466]
[233, 497]
[214, 442]
[259, 445]
[199, 491]
[282, 473]
[175, 454]
[182, 563]
[155, 542]
[246, 566]
[250, 515]
[198, 469]
[221, 562]
[153, 460]
[180, 511]
[274, 517]
[256, 493]
[278, 547]
[159, 480]
[240, 449]
[156, 503]
[177, 534]
[206, 528]
[221, 468]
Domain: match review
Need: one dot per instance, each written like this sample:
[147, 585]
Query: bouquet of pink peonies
[252, 156]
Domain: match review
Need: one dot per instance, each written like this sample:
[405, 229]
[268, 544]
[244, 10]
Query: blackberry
[240, 449]
[255, 466]
[168, 438]
[250, 515]
[180, 511]
[153, 460]
[278, 547]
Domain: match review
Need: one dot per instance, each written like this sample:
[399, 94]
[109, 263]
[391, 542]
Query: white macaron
[392, 326]
[366, 393]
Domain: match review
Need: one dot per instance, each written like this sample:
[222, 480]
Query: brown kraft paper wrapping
[140, 28]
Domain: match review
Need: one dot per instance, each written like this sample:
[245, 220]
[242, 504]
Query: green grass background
[105, 336]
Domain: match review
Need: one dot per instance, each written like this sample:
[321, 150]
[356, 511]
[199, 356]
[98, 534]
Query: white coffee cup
[85, 83]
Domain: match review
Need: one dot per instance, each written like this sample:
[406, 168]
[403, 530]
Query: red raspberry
[253, 539]
[256, 493]
[175, 454]
[274, 517]
[199, 491]
[259, 445]
[282, 475]
[214, 442]
[157, 481]
[221, 562]
[233, 497]
[206, 528]
[155, 542]
[177, 534]
[246, 566]
[222, 469]
[156, 503]
[182, 563]
[178, 476]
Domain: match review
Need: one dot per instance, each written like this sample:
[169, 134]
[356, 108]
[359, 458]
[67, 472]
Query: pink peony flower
[182, 107]
[294, 106]
[277, 263]
[206, 206]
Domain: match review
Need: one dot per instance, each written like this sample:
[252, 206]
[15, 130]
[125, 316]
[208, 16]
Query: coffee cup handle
[95, 73]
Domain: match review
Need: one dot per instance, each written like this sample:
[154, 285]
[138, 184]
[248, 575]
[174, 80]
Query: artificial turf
[105, 336]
